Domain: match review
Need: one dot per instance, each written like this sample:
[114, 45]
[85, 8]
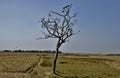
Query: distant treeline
[30, 51]
[113, 54]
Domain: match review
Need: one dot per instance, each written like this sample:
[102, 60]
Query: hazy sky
[98, 21]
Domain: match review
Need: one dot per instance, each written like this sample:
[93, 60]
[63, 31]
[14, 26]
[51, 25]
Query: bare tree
[60, 26]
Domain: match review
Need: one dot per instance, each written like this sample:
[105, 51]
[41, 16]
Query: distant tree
[60, 26]
[6, 50]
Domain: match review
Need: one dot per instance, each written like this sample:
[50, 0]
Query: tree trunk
[55, 60]
[56, 56]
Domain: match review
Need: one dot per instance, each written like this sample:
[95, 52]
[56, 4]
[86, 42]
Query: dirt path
[40, 61]
[47, 73]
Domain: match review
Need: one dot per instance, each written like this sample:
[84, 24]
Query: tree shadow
[61, 76]
[57, 75]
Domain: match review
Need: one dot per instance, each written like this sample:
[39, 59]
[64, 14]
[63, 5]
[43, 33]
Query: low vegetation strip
[29, 69]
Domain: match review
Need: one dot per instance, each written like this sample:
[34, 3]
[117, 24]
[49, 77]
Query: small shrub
[46, 62]
[63, 62]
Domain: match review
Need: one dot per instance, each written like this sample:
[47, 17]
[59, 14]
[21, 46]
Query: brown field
[34, 65]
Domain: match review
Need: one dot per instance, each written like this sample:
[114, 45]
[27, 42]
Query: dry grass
[31, 65]
[15, 65]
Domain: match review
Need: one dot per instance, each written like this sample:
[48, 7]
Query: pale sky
[98, 21]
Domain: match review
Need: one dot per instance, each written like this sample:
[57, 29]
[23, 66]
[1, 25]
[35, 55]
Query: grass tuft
[46, 62]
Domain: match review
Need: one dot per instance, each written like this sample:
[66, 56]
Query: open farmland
[33, 65]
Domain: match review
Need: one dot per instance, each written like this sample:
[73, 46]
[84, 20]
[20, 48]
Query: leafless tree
[60, 26]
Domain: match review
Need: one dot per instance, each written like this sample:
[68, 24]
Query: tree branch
[61, 31]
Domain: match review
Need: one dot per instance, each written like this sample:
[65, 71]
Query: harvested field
[32, 65]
